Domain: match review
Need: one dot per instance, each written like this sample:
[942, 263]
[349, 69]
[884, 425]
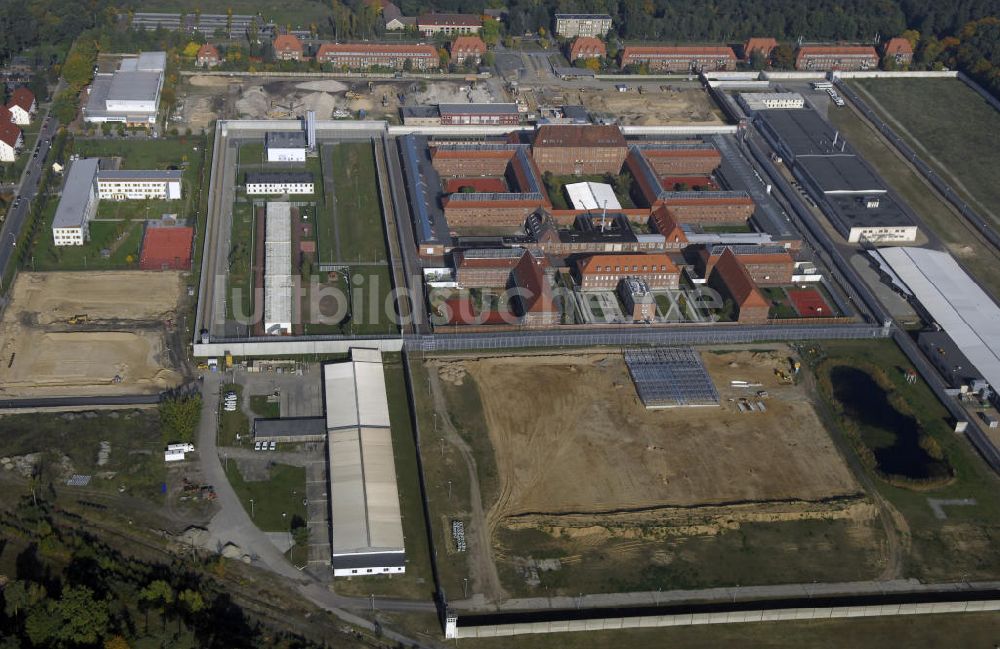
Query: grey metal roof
[841, 174]
[134, 86]
[139, 174]
[851, 211]
[152, 61]
[478, 109]
[803, 132]
[419, 111]
[279, 177]
[286, 140]
[76, 193]
[370, 560]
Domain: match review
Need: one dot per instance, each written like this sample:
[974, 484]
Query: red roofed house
[167, 248]
[732, 280]
[687, 58]
[570, 149]
[665, 224]
[899, 50]
[208, 56]
[287, 48]
[22, 106]
[10, 137]
[763, 45]
[604, 272]
[533, 292]
[465, 46]
[839, 57]
[430, 24]
[765, 268]
[358, 56]
[587, 47]
[485, 268]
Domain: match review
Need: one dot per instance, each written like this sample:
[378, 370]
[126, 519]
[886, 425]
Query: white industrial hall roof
[955, 301]
[364, 500]
[278, 267]
[592, 196]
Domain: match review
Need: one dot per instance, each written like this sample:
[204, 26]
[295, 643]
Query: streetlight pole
[251, 508]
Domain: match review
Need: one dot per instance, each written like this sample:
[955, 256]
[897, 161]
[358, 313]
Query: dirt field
[122, 342]
[654, 106]
[553, 419]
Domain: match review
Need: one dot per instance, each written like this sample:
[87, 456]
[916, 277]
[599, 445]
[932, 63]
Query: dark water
[892, 436]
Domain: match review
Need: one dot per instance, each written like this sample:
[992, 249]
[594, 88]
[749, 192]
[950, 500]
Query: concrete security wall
[284, 347]
[738, 617]
[897, 74]
[816, 74]
[679, 130]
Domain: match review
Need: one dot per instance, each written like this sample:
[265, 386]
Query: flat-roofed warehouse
[954, 301]
[366, 524]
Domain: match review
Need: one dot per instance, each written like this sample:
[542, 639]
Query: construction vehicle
[78, 319]
[229, 360]
[352, 95]
[782, 375]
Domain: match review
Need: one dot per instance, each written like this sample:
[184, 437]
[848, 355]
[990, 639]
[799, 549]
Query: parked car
[274, 445]
[257, 445]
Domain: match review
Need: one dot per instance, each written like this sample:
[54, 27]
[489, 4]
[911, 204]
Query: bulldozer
[78, 319]
[350, 94]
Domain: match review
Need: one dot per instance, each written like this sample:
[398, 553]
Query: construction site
[655, 479]
[78, 334]
[654, 104]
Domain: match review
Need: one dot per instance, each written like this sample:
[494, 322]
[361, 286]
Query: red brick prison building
[685, 58]
[358, 56]
[840, 57]
[767, 265]
[579, 149]
[733, 282]
[604, 272]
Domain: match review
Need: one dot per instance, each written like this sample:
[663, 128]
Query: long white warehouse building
[278, 269]
[364, 500]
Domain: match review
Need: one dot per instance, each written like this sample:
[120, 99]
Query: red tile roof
[9, 133]
[565, 135]
[765, 45]
[375, 48]
[897, 45]
[536, 294]
[467, 46]
[835, 50]
[208, 51]
[461, 261]
[667, 225]
[22, 97]
[679, 50]
[737, 281]
[287, 43]
[5, 116]
[600, 263]
[587, 46]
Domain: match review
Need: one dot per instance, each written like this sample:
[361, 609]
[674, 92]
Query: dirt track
[120, 348]
[571, 436]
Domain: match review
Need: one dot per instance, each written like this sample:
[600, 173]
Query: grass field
[136, 210]
[234, 423]
[240, 257]
[281, 494]
[264, 408]
[954, 129]
[122, 238]
[963, 544]
[911, 631]
[359, 212]
[418, 581]
[136, 444]
[977, 256]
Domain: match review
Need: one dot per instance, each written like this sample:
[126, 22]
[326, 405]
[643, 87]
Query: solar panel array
[671, 377]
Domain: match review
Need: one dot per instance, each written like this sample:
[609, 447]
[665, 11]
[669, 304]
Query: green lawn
[240, 256]
[418, 581]
[780, 306]
[371, 315]
[281, 494]
[359, 211]
[136, 458]
[946, 119]
[975, 528]
[136, 210]
[263, 408]
[122, 238]
[980, 258]
[234, 423]
[252, 153]
[555, 187]
[911, 631]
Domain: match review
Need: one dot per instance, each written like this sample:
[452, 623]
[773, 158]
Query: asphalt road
[32, 175]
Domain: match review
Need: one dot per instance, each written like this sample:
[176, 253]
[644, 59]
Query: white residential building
[134, 185]
[280, 183]
[286, 146]
[77, 205]
[754, 101]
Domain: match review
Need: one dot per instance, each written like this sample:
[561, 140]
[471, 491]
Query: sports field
[951, 126]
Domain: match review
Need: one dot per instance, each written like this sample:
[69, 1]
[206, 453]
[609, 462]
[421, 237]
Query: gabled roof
[587, 45]
[5, 116]
[598, 263]
[468, 44]
[287, 43]
[9, 133]
[23, 98]
[564, 135]
[836, 50]
[529, 275]
[376, 48]
[731, 272]
[667, 225]
[764, 44]
[208, 51]
[678, 50]
[897, 45]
